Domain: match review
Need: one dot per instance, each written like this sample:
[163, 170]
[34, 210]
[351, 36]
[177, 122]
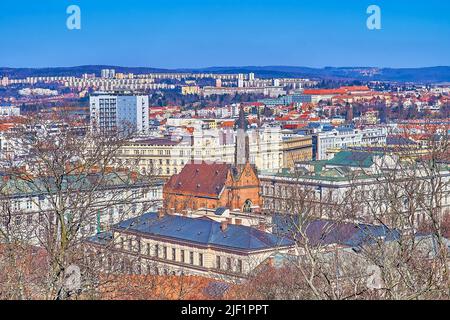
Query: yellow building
[297, 149]
[161, 157]
[187, 90]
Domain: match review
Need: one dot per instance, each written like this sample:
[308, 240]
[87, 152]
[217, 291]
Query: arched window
[247, 206]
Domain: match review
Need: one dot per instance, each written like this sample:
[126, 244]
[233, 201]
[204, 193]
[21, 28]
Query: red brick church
[214, 185]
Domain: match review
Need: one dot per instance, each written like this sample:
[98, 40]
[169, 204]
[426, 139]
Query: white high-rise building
[108, 73]
[9, 111]
[119, 112]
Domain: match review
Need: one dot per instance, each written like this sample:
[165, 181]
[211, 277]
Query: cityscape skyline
[207, 33]
[238, 151]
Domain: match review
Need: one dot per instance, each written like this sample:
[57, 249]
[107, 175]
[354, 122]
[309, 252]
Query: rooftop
[203, 231]
[200, 179]
[157, 142]
[358, 159]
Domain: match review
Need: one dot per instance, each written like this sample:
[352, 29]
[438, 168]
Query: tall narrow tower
[242, 147]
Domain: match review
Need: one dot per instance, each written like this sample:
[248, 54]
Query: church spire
[242, 147]
[242, 121]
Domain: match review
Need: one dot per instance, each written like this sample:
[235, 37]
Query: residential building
[337, 138]
[295, 149]
[112, 113]
[9, 111]
[167, 156]
[27, 205]
[352, 184]
[108, 73]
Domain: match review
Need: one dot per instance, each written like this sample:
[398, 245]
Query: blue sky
[201, 33]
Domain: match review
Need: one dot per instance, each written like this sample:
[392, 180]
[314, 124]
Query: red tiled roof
[200, 179]
[324, 91]
[356, 88]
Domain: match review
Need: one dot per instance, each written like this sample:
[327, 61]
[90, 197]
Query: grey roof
[324, 232]
[399, 141]
[203, 231]
[19, 187]
[220, 211]
[102, 238]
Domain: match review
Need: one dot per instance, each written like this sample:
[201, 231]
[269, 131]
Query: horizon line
[223, 67]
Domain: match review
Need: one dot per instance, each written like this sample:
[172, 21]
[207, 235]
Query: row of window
[151, 162]
[183, 256]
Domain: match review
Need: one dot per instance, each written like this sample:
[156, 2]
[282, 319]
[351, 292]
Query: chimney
[134, 176]
[161, 213]
[109, 169]
[224, 225]
[262, 226]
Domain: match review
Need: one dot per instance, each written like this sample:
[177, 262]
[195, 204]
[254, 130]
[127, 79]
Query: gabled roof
[399, 141]
[200, 179]
[204, 232]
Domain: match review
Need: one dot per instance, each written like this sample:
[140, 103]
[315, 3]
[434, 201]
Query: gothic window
[247, 206]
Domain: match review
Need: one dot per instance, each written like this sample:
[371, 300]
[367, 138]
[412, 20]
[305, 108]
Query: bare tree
[71, 191]
[365, 241]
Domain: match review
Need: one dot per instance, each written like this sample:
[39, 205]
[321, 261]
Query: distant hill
[416, 75]
[72, 71]
[427, 75]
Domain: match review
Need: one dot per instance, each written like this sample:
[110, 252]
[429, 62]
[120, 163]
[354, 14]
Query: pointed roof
[242, 122]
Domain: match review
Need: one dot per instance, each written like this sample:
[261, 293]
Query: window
[229, 268]
[18, 220]
[29, 204]
[182, 255]
[30, 219]
[218, 262]
[165, 252]
[156, 250]
[148, 249]
[191, 257]
[239, 266]
[174, 254]
[111, 215]
[247, 206]
[200, 259]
